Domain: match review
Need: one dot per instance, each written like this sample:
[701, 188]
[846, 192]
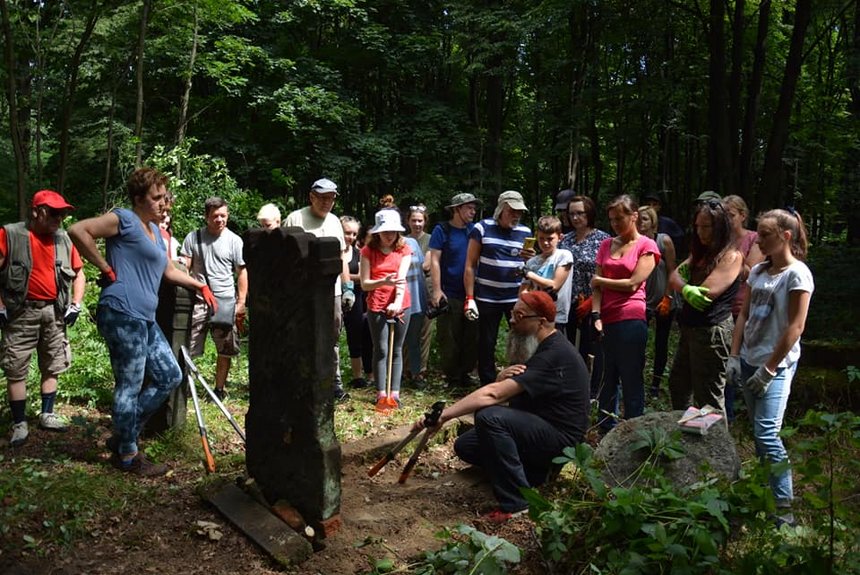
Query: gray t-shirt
[327, 227]
[222, 255]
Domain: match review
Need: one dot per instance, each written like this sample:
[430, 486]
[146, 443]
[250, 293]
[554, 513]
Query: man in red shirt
[38, 266]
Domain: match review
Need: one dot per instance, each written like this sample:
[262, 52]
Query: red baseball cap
[541, 303]
[52, 200]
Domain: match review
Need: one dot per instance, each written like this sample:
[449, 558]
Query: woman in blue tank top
[131, 272]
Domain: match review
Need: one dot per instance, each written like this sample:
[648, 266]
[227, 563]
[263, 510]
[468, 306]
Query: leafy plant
[469, 552]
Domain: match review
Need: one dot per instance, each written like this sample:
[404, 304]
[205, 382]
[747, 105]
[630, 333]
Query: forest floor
[126, 524]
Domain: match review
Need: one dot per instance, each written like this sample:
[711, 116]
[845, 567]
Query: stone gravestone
[292, 452]
[716, 451]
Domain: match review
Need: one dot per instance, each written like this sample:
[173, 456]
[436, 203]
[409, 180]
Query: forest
[256, 99]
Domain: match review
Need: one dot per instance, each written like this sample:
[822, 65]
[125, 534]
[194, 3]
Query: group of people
[575, 297]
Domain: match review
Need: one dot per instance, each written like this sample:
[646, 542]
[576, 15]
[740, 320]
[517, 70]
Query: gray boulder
[714, 451]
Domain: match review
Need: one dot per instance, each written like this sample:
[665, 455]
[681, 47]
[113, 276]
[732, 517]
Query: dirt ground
[159, 534]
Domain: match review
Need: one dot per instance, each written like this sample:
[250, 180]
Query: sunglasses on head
[418, 208]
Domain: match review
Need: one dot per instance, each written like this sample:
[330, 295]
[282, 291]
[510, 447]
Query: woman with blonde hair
[766, 343]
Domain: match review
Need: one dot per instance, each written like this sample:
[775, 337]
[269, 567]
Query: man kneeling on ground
[546, 389]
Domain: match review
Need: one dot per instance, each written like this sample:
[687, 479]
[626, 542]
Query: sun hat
[387, 220]
[51, 199]
[324, 186]
[462, 199]
[651, 196]
[513, 199]
[562, 199]
[541, 303]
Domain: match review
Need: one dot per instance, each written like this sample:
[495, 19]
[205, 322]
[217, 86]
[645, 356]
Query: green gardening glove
[696, 296]
[684, 271]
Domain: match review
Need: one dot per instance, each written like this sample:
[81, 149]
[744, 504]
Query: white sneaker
[20, 433]
[52, 422]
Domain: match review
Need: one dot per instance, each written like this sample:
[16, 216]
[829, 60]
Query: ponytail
[789, 219]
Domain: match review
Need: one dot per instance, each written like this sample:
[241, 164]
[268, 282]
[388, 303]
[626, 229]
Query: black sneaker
[139, 465]
[340, 394]
[220, 393]
[358, 383]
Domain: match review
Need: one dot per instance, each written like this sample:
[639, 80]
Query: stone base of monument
[256, 521]
[714, 451]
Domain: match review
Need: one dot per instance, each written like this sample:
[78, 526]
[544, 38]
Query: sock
[395, 395]
[19, 408]
[380, 395]
[48, 402]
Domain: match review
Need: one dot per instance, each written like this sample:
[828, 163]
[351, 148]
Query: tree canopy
[426, 99]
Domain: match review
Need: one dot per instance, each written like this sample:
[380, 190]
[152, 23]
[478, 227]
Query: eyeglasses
[418, 208]
[54, 213]
[519, 316]
[576, 214]
[324, 197]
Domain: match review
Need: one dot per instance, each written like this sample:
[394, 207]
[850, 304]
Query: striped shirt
[497, 279]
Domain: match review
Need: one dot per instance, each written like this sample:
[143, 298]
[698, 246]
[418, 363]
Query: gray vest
[15, 275]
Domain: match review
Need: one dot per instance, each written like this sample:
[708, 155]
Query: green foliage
[469, 552]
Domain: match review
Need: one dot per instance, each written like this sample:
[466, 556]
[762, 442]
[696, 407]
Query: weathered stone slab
[292, 451]
[275, 537]
[716, 450]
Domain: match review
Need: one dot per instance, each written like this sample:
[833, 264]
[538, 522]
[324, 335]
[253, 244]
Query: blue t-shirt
[138, 263]
[453, 243]
[497, 279]
[415, 278]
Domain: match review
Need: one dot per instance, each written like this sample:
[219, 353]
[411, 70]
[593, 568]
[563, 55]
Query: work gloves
[684, 271]
[4, 317]
[760, 381]
[733, 370]
[583, 309]
[348, 298]
[696, 296]
[664, 307]
[72, 314]
[209, 297]
[106, 278]
[470, 309]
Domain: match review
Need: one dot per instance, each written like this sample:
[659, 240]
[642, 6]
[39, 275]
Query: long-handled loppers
[209, 461]
[192, 370]
[431, 418]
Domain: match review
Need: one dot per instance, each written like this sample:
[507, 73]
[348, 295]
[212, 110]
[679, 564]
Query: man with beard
[547, 395]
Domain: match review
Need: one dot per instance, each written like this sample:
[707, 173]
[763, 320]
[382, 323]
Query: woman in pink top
[385, 260]
[618, 308]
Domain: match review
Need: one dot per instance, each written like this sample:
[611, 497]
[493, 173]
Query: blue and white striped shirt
[497, 279]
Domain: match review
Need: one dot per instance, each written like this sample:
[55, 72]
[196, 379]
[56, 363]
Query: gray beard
[520, 348]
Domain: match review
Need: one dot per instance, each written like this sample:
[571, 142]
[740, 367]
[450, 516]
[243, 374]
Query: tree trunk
[753, 99]
[738, 29]
[109, 150]
[71, 88]
[769, 193]
[596, 162]
[12, 98]
[849, 200]
[186, 94]
[719, 163]
[138, 118]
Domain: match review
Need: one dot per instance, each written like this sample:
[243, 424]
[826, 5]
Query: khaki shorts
[34, 328]
[226, 340]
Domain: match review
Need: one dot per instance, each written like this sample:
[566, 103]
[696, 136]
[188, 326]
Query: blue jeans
[624, 360]
[137, 348]
[379, 333]
[514, 447]
[766, 414]
[489, 319]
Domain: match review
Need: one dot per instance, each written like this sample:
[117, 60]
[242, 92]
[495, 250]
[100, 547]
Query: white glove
[733, 370]
[72, 314]
[470, 309]
[760, 381]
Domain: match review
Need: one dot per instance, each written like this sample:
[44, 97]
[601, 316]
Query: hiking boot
[52, 422]
[220, 393]
[358, 383]
[139, 465]
[419, 383]
[20, 433]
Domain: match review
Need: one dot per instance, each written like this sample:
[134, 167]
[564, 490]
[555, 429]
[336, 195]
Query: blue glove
[72, 314]
[760, 381]
[347, 300]
[696, 296]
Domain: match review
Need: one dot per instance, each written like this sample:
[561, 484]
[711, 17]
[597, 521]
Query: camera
[433, 312]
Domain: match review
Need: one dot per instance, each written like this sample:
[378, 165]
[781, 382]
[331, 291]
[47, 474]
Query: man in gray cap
[457, 338]
[708, 196]
[492, 275]
[318, 220]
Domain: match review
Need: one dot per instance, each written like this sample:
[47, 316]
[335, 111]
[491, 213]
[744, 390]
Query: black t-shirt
[556, 385]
